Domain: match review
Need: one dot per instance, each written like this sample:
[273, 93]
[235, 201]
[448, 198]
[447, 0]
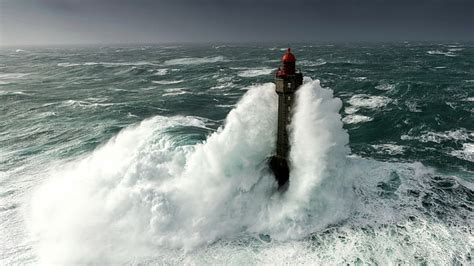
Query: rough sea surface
[157, 154]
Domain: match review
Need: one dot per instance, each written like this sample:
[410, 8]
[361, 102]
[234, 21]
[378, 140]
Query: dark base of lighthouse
[280, 169]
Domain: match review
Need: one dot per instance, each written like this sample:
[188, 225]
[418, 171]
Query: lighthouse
[287, 81]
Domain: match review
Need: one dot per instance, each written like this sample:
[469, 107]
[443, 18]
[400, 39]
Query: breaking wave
[151, 196]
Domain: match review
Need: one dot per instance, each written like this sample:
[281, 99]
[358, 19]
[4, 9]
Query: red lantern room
[288, 64]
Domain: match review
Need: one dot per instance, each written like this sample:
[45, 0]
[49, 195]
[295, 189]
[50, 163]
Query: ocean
[158, 154]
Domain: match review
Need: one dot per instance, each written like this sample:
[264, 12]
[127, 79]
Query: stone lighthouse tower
[287, 82]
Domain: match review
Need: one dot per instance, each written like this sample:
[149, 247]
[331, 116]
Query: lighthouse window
[288, 98]
[289, 85]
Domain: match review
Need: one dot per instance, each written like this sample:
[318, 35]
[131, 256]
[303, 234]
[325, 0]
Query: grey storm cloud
[30, 22]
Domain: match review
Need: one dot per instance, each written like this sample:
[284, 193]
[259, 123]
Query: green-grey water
[98, 146]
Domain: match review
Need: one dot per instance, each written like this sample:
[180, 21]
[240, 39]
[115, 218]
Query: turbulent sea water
[157, 154]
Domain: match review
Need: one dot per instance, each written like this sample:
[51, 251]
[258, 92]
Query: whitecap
[413, 106]
[161, 72]
[225, 79]
[439, 52]
[385, 87]
[225, 105]
[369, 101]
[174, 92]
[308, 63]
[355, 119]
[467, 153]
[438, 137]
[391, 149]
[195, 60]
[12, 76]
[47, 114]
[351, 110]
[255, 72]
[12, 93]
[223, 86]
[85, 104]
[167, 82]
[68, 64]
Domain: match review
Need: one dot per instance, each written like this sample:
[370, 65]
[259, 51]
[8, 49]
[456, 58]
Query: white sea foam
[438, 137]
[369, 101]
[308, 63]
[69, 64]
[467, 152]
[439, 52]
[355, 119]
[351, 110]
[255, 72]
[413, 106]
[224, 82]
[391, 149]
[221, 86]
[195, 60]
[167, 82]
[385, 87]
[174, 92]
[12, 76]
[13, 93]
[161, 72]
[85, 103]
[225, 105]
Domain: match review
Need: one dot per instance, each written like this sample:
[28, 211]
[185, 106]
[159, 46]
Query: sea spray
[143, 196]
[225, 182]
[318, 141]
[141, 192]
[320, 191]
[98, 208]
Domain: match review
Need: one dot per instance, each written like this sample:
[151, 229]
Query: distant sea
[157, 154]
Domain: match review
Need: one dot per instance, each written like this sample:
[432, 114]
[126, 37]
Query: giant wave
[147, 195]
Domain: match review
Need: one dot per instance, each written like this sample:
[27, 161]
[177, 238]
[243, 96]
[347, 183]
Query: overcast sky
[43, 22]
